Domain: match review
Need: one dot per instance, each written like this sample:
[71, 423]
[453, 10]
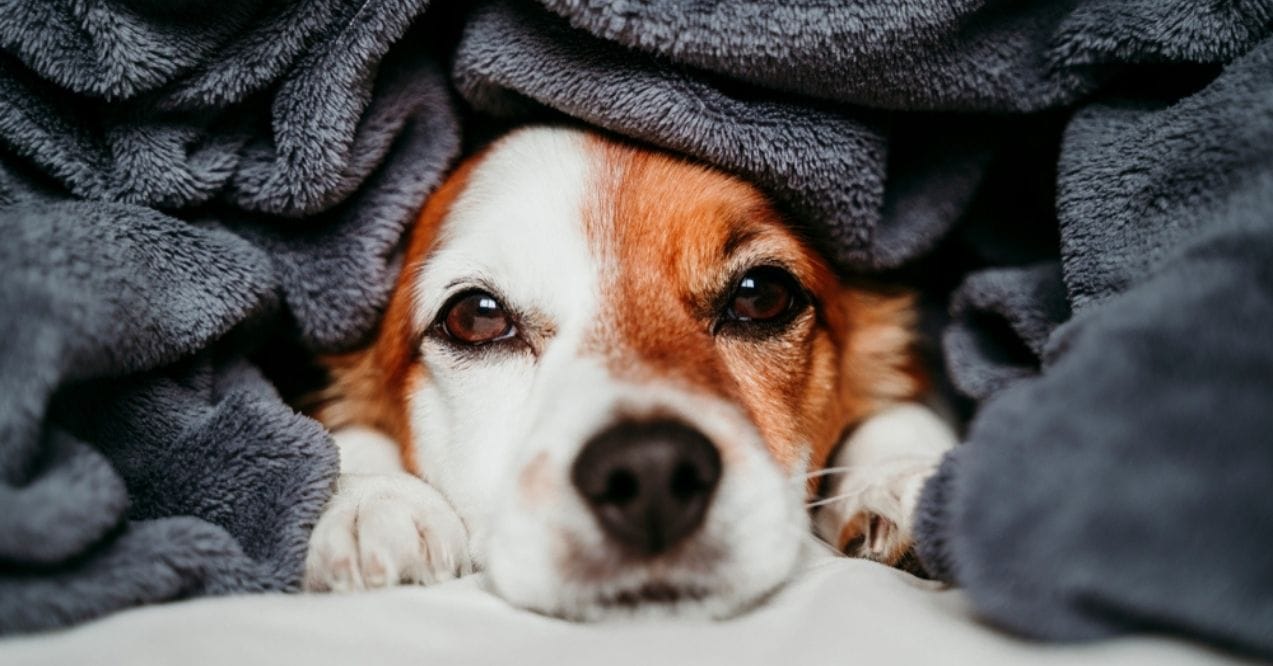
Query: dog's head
[618, 366]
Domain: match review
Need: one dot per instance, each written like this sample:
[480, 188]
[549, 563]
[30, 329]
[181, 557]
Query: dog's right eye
[763, 301]
[475, 318]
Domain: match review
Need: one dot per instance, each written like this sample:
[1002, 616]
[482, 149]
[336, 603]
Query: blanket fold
[173, 191]
[1151, 412]
[968, 55]
[1002, 319]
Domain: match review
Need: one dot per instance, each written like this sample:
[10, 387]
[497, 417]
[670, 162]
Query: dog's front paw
[874, 485]
[381, 530]
[869, 511]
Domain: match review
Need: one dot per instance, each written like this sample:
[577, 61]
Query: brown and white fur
[613, 261]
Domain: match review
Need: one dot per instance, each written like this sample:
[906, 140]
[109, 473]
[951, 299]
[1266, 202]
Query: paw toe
[873, 536]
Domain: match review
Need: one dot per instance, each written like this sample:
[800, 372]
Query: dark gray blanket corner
[172, 190]
[1139, 460]
[1117, 328]
[1099, 175]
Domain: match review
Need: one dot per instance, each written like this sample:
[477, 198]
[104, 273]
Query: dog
[612, 379]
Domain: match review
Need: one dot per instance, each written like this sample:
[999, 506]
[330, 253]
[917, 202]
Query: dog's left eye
[476, 317]
[763, 294]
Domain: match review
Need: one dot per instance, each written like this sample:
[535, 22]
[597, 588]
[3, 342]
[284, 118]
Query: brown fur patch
[673, 235]
[371, 386]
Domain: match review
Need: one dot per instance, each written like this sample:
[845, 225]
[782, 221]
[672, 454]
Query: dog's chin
[652, 601]
[662, 592]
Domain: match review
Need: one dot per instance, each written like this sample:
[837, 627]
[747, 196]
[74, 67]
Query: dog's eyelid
[763, 262]
[458, 286]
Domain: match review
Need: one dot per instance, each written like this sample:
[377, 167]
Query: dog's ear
[879, 363]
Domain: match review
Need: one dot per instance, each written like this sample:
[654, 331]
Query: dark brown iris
[763, 294]
[476, 317]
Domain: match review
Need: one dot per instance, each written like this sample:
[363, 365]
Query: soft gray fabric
[1000, 322]
[964, 55]
[1116, 324]
[284, 115]
[142, 455]
[1135, 470]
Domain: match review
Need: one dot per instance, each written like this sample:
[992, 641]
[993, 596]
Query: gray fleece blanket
[1087, 185]
[179, 182]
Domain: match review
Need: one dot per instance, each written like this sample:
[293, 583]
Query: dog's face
[618, 366]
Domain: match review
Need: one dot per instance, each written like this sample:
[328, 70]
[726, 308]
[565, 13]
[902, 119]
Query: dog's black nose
[648, 482]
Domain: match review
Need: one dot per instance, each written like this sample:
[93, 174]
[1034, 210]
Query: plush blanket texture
[1087, 184]
[179, 181]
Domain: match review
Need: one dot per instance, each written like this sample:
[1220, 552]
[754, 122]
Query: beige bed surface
[838, 611]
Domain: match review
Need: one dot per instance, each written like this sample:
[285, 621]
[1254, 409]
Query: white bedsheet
[838, 611]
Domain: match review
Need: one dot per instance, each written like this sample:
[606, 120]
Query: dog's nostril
[621, 487]
[686, 482]
[649, 483]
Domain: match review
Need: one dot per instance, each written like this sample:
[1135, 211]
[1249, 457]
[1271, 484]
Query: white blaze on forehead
[516, 230]
[518, 227]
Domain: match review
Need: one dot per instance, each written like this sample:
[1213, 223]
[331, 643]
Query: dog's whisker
[858, 489]
[827, 471]
[895, 461]
[832, 499]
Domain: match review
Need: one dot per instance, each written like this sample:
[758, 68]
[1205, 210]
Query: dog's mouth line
[654, 593]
